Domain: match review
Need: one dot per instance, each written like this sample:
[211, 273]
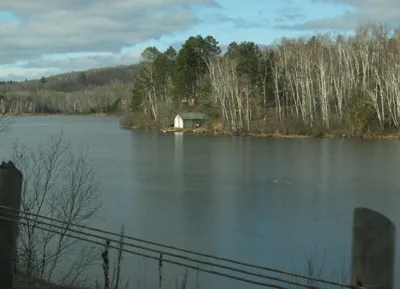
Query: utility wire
[168, 254]
[183, 250]
[187, 251]
[156, 258]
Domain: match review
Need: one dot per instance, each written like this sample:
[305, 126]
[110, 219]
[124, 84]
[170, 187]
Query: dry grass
[62, 114]
[278, 135]
[383, 136]
[260, 128]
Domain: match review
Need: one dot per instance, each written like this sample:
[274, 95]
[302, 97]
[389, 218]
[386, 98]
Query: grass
[279, 135]
[260, 129]
[64, 114]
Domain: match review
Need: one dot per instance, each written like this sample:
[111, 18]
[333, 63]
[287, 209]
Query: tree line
[319, 84]
[312, 85]
[105, 90]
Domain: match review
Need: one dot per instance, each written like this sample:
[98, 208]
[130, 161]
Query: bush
[358, 114]
[59, 184]
[136, 120]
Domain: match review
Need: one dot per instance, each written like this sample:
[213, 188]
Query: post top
[8, 165]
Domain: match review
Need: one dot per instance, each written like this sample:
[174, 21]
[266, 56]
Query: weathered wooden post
[373, 251]
[10, 196]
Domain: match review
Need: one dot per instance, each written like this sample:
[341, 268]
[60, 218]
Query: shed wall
[178, 122]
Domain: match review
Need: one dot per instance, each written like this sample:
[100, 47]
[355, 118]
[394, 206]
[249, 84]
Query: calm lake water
[263, 201]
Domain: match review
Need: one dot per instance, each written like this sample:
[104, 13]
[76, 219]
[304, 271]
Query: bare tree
[60, 184]
[230, 91]
[5, 121]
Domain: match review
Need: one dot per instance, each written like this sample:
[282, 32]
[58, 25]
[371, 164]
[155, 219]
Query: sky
[45, 37]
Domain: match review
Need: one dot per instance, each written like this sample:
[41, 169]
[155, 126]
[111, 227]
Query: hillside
[98, 90]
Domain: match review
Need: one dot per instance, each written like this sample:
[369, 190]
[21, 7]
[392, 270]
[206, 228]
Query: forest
[318, 85]
[103, 91]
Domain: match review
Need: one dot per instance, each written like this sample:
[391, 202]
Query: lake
[265, 201]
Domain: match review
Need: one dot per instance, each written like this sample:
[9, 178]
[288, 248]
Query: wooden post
[373, 251]
[10, 196]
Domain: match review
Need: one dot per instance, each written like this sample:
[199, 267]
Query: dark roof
[193, 116]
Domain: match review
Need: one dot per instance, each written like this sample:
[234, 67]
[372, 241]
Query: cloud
[16, 73]
[348, 20]
[288, 13]
[357, 12]
[85, 61]
[59, 26]
[238, 22]
[36, 68]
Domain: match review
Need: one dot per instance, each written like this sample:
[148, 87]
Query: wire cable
[183, 250]
[157, 258]
[170, 254]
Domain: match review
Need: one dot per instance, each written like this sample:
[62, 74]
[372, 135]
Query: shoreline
[205, 132]
[64, 114]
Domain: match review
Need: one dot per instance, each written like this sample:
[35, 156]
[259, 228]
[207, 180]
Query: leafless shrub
[116, 280]
[5, 121]
[119, 260]
[183, 283]
[60, 184]
[315, 263]
[137, 120]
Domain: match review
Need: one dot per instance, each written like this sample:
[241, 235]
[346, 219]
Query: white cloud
[45, 66]
[18, 73]
[59, 26]
[359, 12]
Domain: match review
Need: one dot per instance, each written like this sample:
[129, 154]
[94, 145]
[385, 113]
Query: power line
[188, 251]
[158, 258]
[184, 250]
[170, 254]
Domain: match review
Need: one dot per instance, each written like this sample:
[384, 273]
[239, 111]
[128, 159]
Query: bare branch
[60, 184]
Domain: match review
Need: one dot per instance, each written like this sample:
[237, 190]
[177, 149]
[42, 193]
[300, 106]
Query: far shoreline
[277, 135]
[207, 132]
[64, 114]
